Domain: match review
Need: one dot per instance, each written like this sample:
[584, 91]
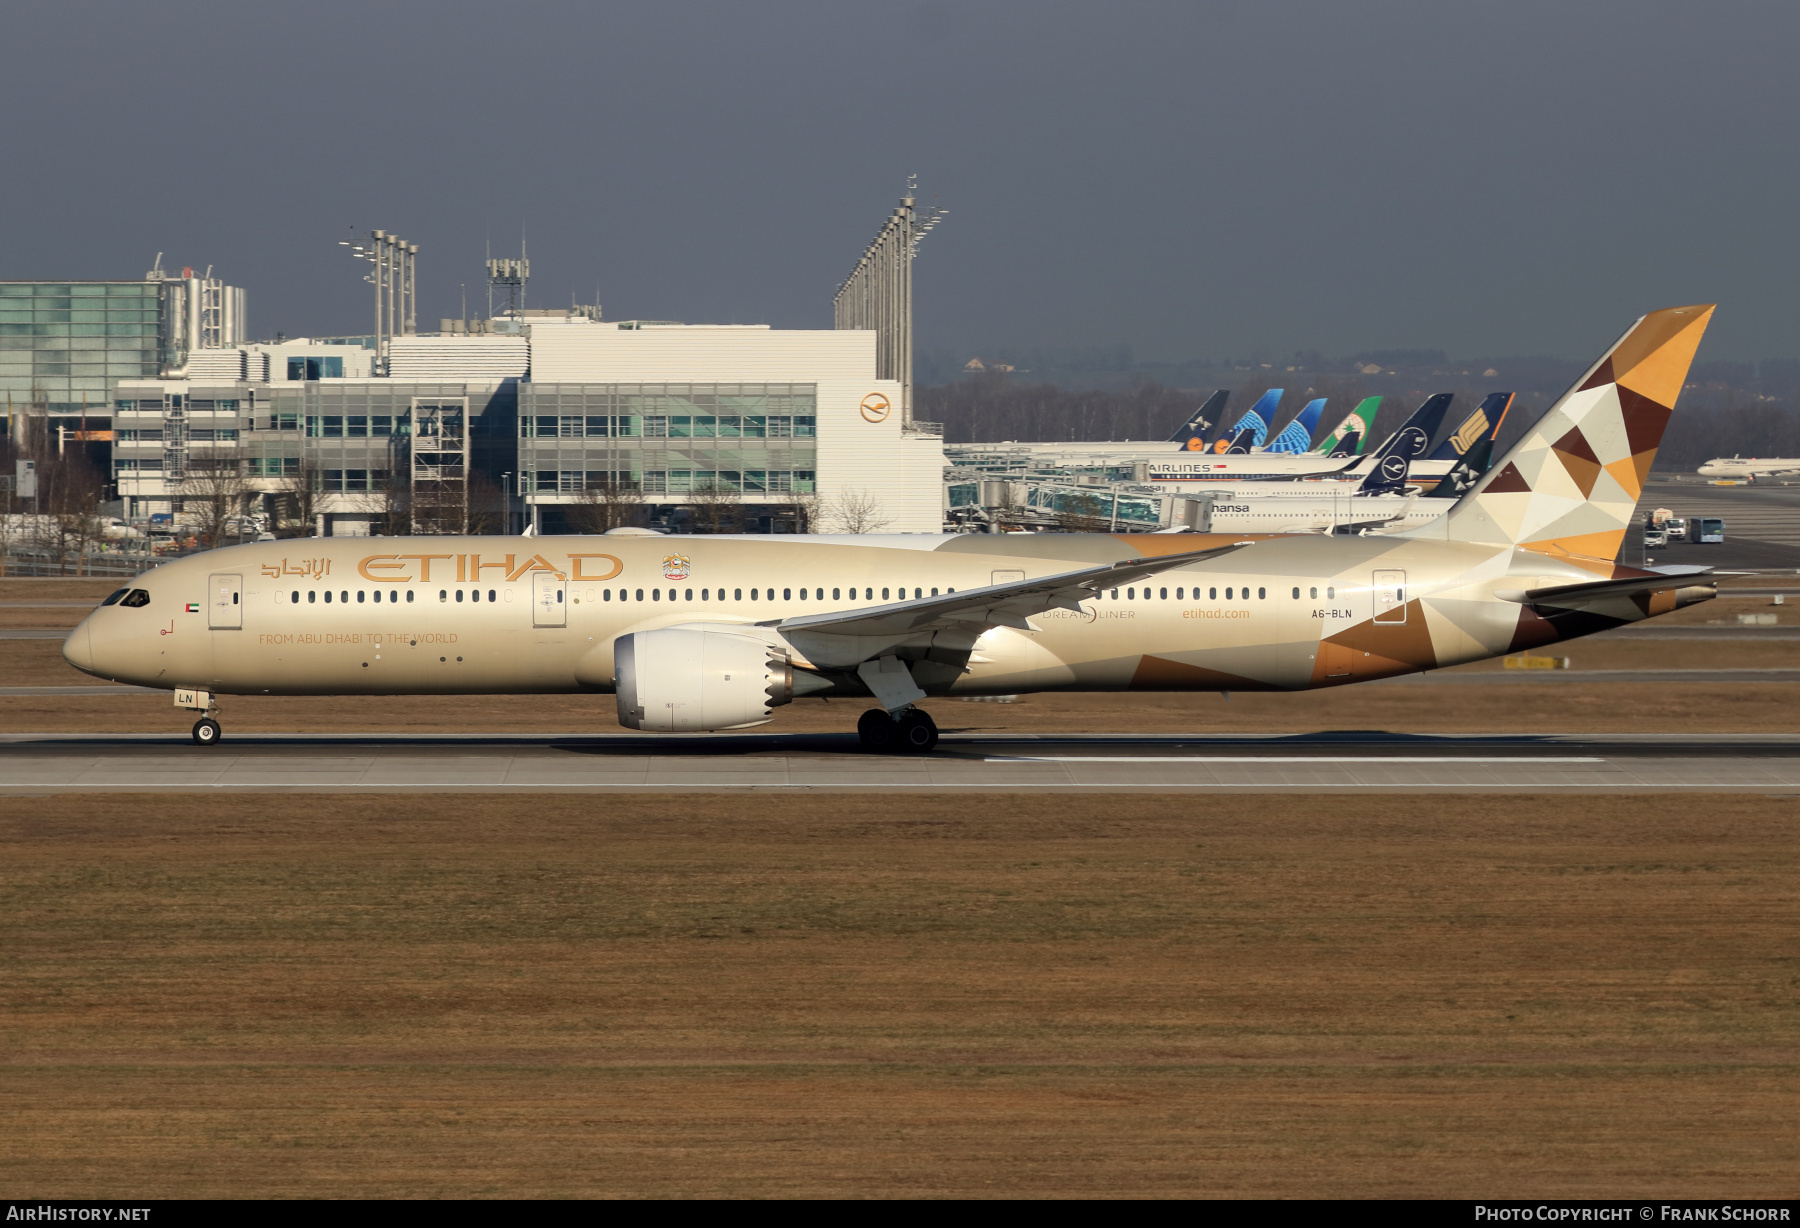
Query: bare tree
[1084, 514]
[798, 511]
[487, 510]
[296, 498]
[610, 503]
[212, 492]
[71, 490]
[716, 509]
[393, 498]
[852, 511]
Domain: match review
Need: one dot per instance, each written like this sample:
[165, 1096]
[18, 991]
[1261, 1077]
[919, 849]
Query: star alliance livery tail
[1192, 433]
[1347, 437]
[1570, 485]
[1256, 419]
[1475, 460]
[1296, 437]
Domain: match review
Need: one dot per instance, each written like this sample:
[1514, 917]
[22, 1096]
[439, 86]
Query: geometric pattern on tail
[1570, 485]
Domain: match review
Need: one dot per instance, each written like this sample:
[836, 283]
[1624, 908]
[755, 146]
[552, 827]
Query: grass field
[823, 995]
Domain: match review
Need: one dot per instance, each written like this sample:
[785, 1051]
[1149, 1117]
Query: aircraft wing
[847, 638]
[1580, 596]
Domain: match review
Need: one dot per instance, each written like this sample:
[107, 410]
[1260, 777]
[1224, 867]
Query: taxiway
[1347, 762]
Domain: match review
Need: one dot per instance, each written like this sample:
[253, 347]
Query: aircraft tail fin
[1570, 485]
[1296, 437]
[1388, 477]
[1256, 419]
[1346, 437]
[1414, 435]
[1193, 431]
[1483, 421]
[1241, 444]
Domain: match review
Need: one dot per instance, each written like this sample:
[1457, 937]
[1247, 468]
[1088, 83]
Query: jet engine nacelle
[681, 680]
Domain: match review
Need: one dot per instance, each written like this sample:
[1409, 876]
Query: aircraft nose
[78, 649]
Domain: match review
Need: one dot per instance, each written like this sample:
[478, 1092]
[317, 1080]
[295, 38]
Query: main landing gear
[913, 733]
[207, 732]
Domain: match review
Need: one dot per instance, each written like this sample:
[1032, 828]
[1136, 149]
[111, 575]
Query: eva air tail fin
[1348, 437]
[1570, 485]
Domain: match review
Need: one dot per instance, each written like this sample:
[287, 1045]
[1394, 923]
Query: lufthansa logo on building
[875, 408]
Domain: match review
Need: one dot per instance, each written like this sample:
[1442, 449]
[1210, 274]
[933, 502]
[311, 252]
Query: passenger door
[225, 602]
[548, 608]
[1390, 597]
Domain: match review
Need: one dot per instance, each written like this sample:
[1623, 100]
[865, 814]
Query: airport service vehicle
[1748, 468]
[708, 633]
[1654, 538]
[1707, 529]
[1673, 526]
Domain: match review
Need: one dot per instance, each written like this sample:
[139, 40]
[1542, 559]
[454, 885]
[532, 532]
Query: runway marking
[911, 787]
[1291, 759]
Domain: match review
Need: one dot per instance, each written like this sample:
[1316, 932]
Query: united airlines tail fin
[1256, 419]
[1348, 436]
[1414, 435]
[1296, 437]
[1482, 423]
[1193, 432]
[1570, 485]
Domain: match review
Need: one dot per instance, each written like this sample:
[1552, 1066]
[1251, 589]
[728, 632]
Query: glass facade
[61, 342]
[673, 439]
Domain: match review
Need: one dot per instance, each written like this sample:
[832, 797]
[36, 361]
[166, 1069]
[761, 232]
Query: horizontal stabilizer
[1579, 596]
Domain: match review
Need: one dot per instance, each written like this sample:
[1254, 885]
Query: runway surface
[1096, 764]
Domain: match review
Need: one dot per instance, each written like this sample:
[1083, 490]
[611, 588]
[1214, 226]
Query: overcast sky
[1190, 179]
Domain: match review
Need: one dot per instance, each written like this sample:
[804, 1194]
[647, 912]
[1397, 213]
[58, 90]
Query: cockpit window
[114, 599]
[135, 598]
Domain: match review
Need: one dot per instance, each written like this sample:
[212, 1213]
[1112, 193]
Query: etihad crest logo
[676, 566]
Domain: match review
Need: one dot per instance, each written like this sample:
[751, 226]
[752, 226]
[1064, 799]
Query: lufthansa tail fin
[1388, 477]
[1414, 435]
[1570, 485]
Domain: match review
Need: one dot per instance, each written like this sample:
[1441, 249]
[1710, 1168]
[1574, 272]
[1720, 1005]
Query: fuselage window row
[475, 595]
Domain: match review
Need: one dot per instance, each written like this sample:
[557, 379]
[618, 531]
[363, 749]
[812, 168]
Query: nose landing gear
[207, 732]
[914, 733]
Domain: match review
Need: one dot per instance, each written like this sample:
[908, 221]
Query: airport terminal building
[529, 421]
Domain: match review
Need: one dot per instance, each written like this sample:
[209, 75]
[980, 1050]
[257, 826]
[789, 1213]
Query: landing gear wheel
[918, 732]
[207, 732]
[877, 730]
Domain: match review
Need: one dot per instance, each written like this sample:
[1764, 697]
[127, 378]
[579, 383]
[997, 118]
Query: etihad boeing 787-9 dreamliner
[707, 633]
